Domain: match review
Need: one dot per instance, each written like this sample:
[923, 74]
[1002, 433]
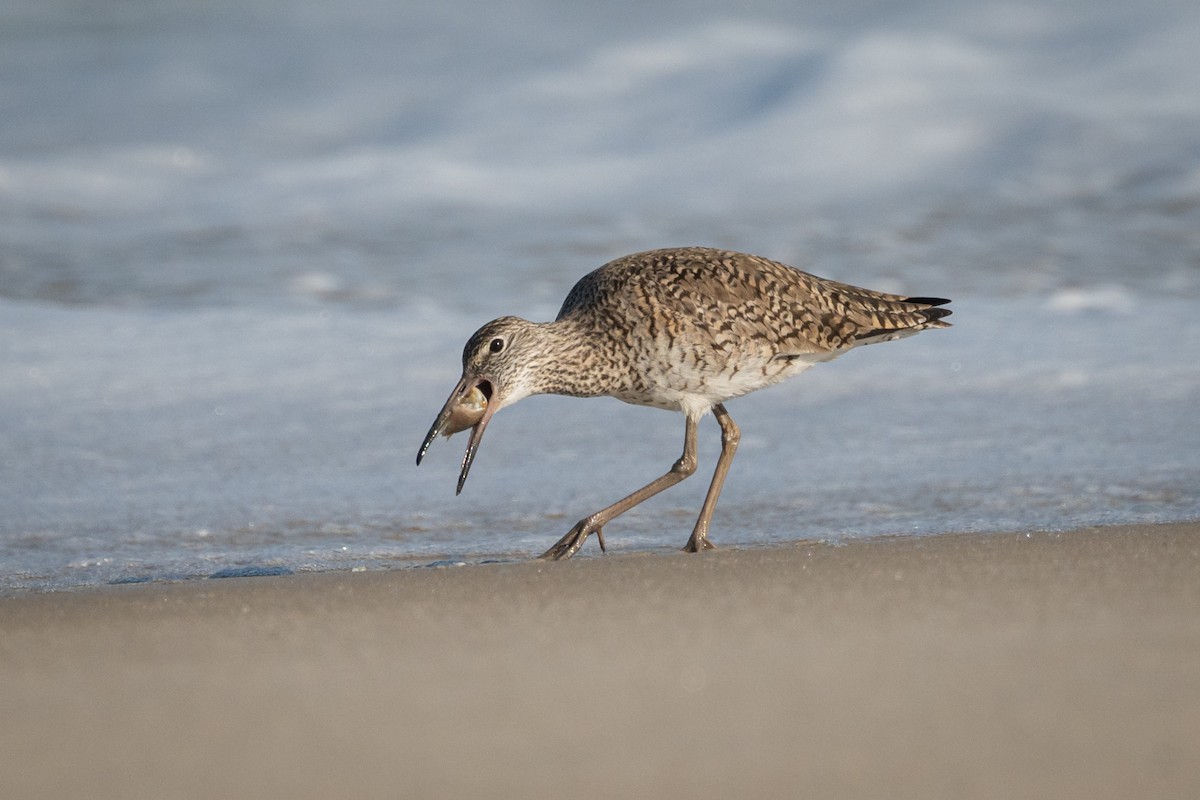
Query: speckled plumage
[682, 329]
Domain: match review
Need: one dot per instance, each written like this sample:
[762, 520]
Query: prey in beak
[469, 406]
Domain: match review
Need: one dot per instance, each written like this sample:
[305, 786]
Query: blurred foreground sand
[1058, 665]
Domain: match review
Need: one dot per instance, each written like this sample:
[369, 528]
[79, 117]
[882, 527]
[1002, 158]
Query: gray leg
[685, 466]
[730, 436]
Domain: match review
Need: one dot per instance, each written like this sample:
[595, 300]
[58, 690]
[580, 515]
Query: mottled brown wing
[728, 295]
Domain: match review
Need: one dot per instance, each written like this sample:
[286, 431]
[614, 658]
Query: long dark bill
[473, 445]
[465, 385]
[442, 418]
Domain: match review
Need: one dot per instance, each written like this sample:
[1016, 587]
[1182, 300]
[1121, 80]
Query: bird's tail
[888, 317]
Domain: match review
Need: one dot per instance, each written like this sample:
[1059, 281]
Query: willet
[683, 329]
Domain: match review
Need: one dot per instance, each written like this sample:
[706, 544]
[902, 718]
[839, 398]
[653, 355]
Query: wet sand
[1056, 665]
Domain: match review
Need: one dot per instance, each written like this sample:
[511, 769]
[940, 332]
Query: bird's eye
[496, 346]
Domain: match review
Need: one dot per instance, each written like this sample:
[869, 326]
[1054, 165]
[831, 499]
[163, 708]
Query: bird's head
[500, 365]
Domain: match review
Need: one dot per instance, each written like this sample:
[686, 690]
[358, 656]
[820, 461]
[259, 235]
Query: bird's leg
[685, 466]
[730, 436]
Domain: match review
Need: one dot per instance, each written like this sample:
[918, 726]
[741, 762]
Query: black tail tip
[937, 313]
[927, 301]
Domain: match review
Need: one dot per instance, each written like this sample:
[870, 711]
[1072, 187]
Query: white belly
[693, 388]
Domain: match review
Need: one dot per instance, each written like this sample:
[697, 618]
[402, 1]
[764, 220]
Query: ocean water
[242, 244]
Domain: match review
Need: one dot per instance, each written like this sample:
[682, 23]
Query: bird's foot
[569, 544]
[697, 543]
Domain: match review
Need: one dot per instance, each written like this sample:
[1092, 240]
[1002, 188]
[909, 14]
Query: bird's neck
[569, 361]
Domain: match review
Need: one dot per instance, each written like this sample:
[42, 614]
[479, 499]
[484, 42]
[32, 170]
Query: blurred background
[242, 244]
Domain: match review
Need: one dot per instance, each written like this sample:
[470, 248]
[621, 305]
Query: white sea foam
[242, 248]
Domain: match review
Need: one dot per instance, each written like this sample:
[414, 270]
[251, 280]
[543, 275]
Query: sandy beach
[1057, 665]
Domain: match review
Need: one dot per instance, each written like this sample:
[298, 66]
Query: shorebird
[683, 329]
